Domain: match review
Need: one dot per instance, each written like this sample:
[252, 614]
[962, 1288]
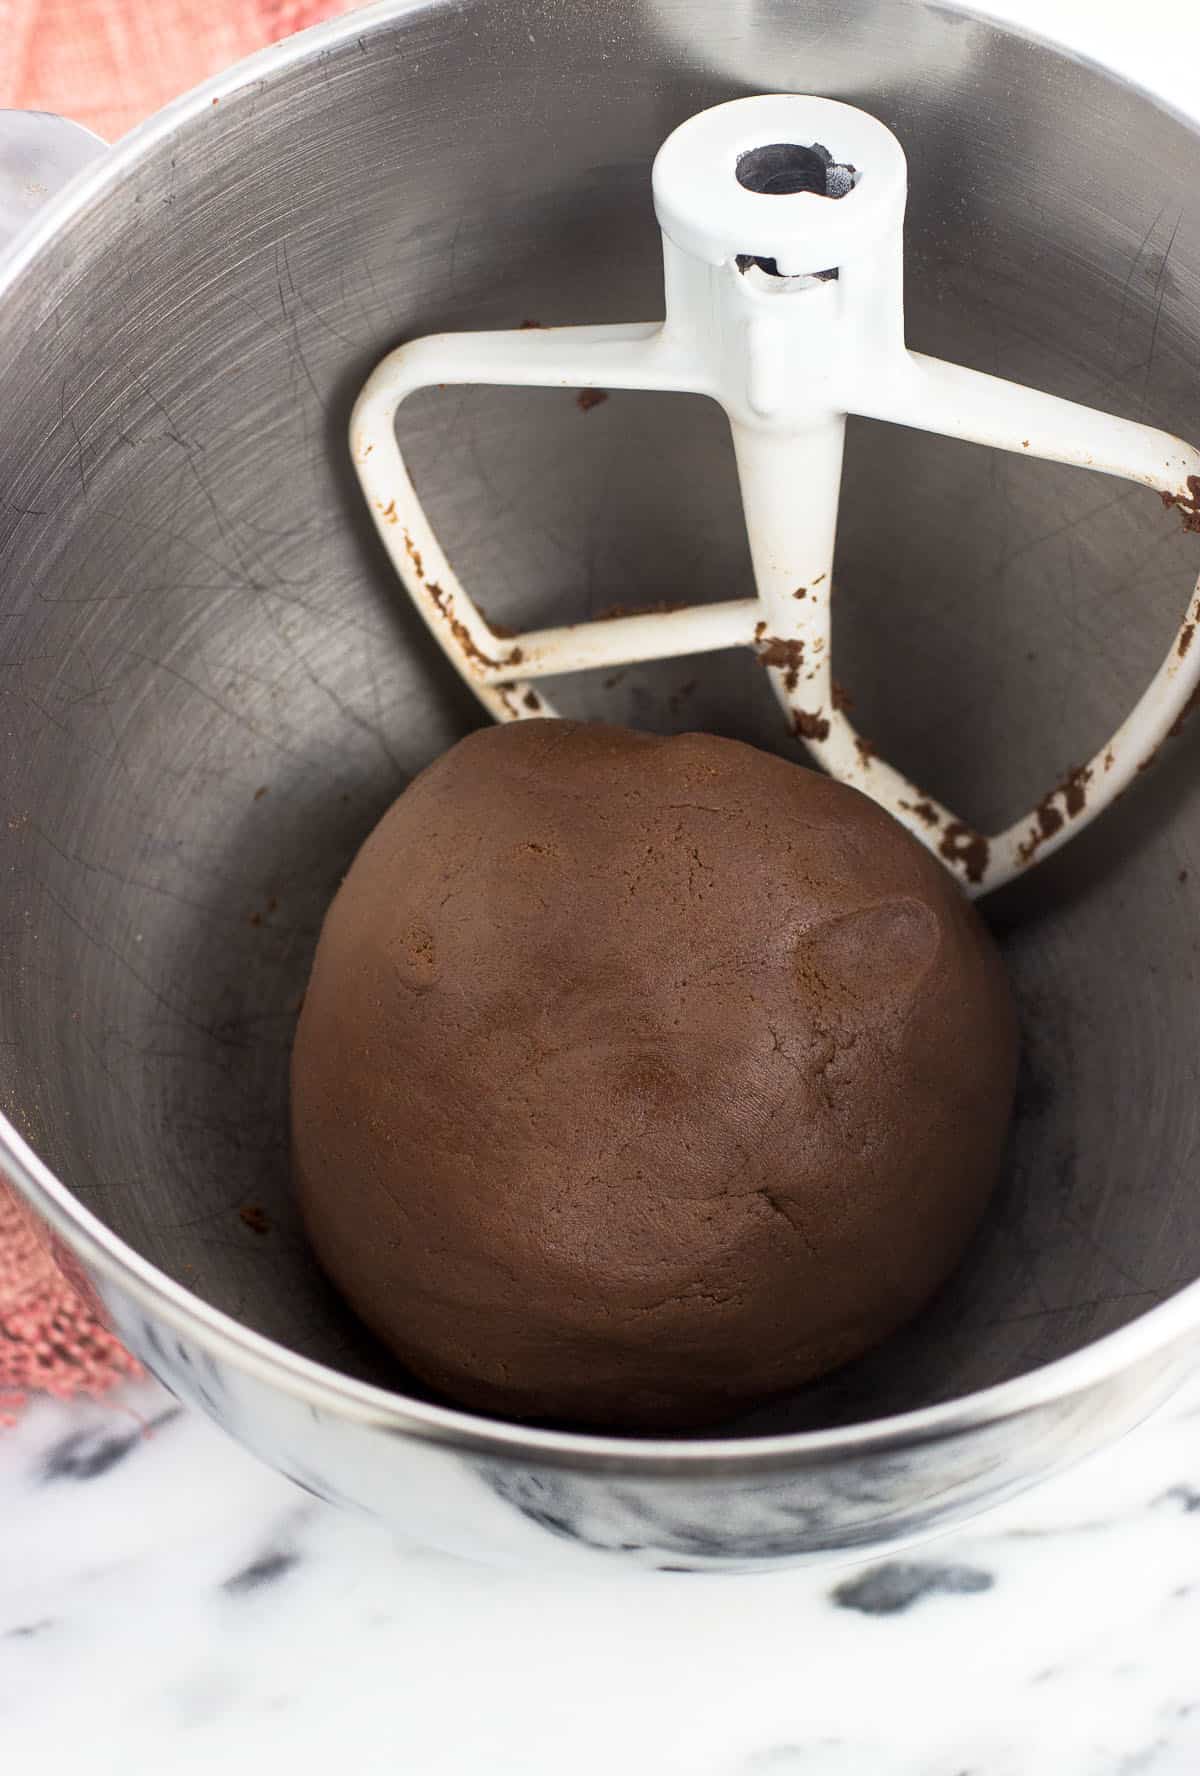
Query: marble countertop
[167, 1604]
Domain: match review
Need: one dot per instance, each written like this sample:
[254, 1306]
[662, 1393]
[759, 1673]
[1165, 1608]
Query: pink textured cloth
[109, 63]
[105, 63]
[51, 1339]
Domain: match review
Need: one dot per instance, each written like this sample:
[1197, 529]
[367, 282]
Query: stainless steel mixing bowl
[210, 688]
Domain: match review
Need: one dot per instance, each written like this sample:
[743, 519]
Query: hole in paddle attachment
[782, 169]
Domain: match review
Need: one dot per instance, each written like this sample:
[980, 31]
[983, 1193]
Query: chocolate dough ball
[641, 1079]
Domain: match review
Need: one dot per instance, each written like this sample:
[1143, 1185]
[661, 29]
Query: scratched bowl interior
[210, 687]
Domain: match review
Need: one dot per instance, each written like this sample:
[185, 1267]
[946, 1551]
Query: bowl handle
[39, 153]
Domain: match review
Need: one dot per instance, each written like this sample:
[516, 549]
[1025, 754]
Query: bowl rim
[322, 1389]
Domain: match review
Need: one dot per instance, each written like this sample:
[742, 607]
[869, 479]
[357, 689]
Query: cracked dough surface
[639, 1079]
